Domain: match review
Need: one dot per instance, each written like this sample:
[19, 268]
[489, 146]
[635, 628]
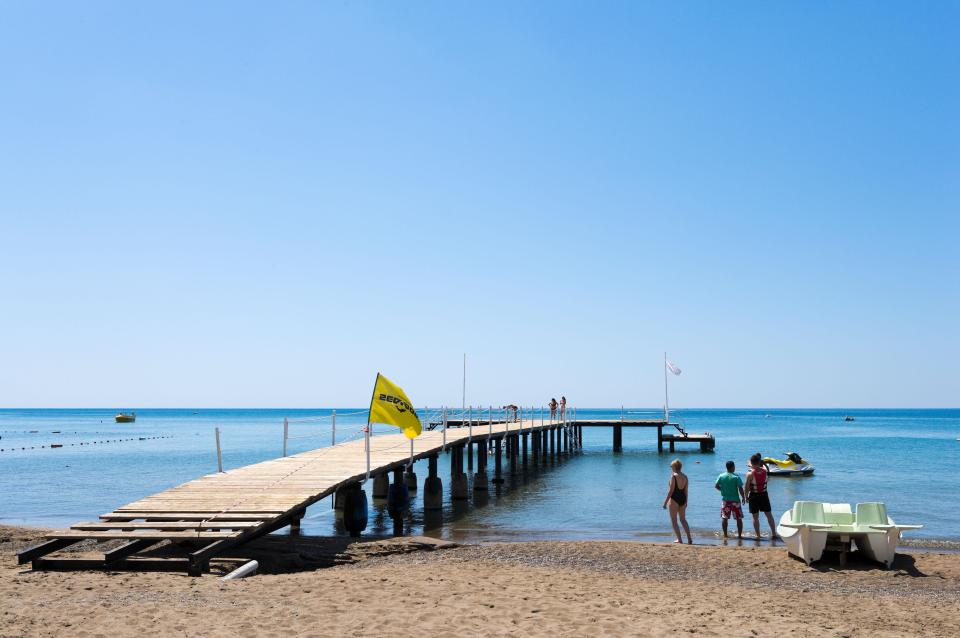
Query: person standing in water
[757, 497]
[730, 487]
[677, 500]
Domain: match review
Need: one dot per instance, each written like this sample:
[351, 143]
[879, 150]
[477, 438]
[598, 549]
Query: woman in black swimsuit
[677, 500]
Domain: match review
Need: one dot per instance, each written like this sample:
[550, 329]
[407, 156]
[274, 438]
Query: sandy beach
[538, 588]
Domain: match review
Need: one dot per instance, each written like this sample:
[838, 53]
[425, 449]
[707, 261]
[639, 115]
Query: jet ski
[793, 465]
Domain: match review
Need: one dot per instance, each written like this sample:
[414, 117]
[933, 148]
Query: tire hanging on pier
[355, 510]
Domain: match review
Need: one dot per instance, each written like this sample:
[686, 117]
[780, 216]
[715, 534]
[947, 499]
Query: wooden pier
[706, 441]
[215, 513]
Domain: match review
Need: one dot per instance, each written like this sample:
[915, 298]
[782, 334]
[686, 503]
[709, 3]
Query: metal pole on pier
[490, 421]
[367, 445]
[216, 433]
[666, 394]
[285, 434]
[333, 431]
[444, 423]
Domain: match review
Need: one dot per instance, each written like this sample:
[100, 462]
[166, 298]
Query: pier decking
[217, 512]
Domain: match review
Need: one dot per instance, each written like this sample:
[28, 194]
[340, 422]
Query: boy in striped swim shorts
[730, 487]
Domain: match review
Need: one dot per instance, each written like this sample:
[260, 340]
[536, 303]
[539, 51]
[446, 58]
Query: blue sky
[235, 205]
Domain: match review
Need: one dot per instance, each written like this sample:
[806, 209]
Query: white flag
[672, 367]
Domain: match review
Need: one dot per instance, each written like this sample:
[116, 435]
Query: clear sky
[248, 204]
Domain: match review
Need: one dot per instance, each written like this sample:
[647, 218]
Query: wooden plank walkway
[238, 505]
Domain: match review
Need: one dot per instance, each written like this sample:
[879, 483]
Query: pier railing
[342, 427]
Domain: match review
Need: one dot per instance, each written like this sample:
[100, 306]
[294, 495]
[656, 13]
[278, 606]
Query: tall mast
[666, 394]
[463, 406]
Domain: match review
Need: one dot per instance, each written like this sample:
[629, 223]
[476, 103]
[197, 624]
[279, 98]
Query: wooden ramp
[217, 512]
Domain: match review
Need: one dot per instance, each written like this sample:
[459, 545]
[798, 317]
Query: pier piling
[480, 478]
[459, 490]
[432, 487]
[497, 469]
[381, 485]
[398, 501]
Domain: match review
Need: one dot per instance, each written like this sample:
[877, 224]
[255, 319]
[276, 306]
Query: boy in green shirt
[731, 492]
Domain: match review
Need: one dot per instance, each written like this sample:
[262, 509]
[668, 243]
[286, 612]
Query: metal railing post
[490, 421]
[443, 417]
[367, 441]
[286, 426]
[333, 431]
[216, 433]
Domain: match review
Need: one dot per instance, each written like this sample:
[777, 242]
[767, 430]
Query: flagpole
[366, 439]
[666, 393]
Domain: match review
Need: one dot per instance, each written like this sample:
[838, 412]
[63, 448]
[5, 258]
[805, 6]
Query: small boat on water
[126, 418]
[849, 418]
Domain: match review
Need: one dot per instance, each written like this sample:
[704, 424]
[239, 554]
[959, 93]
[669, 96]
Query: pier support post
[545, 445]
[497, 468]
[580, 435]
[470, 456]
[432, 487]
[523, 449]
[480, 478]
[659, 439]
[535, 445]
[398, 501]
[295, 524]
[618, 438]
[553, 441]
[410, 479]
[456, 460]
[340, 498]
[381, 485]
[458, 480]
[671, 446]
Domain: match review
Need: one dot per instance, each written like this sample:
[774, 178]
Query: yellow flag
[390, 405]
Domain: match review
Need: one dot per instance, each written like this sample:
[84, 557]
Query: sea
[908, 459]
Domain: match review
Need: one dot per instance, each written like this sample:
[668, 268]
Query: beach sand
[537, 588]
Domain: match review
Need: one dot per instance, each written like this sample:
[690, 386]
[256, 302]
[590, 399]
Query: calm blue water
[907, 458]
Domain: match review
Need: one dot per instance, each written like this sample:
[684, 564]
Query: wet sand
[536, 588]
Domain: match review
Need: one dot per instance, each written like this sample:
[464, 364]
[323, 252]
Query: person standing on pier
[677, 499]
[757, 496]
[563, 407]
[553, 408]
[730, 487]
